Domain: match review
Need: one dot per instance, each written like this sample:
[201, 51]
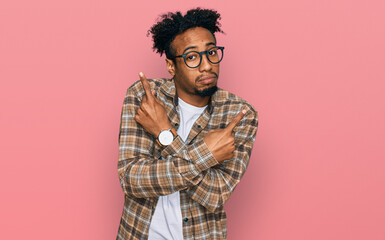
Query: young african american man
[184, 143]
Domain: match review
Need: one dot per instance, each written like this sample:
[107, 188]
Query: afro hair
[172, 24]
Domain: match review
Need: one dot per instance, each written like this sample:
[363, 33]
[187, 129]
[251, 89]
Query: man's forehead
[197, 36]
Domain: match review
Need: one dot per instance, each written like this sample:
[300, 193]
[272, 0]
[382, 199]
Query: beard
[207, 92]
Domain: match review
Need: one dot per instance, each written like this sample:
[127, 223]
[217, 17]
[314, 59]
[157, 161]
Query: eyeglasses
[193, 59]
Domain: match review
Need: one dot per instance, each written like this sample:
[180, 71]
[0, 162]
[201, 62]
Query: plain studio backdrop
[314, 70]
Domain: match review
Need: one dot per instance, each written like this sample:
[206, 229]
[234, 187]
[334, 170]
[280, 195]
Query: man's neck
[195, 100]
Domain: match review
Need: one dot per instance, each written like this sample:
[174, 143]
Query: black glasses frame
[200, 54]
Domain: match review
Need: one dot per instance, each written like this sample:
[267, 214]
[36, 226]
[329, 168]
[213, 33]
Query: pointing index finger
[236, 120]
[146, 85]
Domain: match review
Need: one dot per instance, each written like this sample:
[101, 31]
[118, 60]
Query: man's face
[194, 82]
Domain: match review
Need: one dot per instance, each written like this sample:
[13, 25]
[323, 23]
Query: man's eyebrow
[207, 44]
[188, 49]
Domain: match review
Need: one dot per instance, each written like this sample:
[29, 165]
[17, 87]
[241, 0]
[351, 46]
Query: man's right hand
[221, 141]
[151, 114]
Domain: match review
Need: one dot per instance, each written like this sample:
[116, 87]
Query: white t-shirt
[166, 223]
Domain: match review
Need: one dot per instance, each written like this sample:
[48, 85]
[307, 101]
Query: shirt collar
[168, 88]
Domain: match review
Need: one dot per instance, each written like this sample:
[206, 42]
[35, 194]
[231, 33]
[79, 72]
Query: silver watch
[166, 137]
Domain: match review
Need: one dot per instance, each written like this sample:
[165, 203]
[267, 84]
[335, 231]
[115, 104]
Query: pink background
[313, 69]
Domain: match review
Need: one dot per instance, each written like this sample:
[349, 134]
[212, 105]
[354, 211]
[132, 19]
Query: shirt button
[185, 220]
[199, 126]
[176, 124]
[159, 150]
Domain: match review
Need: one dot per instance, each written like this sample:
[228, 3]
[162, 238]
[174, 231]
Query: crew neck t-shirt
[166, 223]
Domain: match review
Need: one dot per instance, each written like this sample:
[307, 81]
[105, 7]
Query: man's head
[176, 35]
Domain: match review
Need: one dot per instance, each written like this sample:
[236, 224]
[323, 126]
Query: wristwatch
[166, 137]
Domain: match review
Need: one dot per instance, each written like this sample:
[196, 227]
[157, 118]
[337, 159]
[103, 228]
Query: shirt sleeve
[141, 173]
[220, 181]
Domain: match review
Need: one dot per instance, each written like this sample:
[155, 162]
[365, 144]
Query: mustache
[211, 74]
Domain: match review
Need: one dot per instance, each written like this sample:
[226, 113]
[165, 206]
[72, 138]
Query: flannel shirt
[147, 171]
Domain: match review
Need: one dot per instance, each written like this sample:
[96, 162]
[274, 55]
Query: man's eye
[213, 52]
[191, 57]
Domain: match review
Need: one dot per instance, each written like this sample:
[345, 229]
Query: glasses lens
[193, 59]
[215, 54]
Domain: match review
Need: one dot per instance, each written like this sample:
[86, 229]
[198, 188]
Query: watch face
[166, 137]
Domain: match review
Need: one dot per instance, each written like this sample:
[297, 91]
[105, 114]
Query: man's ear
[170, 66]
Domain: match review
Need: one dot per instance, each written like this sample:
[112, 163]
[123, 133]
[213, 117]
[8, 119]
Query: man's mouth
[207, 79]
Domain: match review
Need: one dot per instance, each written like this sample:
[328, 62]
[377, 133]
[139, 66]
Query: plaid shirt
[147, 171]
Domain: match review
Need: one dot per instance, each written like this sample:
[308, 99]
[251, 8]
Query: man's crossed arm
[153, 117]
[200, 167]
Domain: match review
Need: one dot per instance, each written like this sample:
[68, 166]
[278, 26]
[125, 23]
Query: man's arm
[219, 181]
[184, 166]
[144, 175]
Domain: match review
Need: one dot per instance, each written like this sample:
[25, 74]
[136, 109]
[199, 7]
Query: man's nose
[205, 64]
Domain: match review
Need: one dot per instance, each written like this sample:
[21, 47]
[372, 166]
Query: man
[184, 144]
